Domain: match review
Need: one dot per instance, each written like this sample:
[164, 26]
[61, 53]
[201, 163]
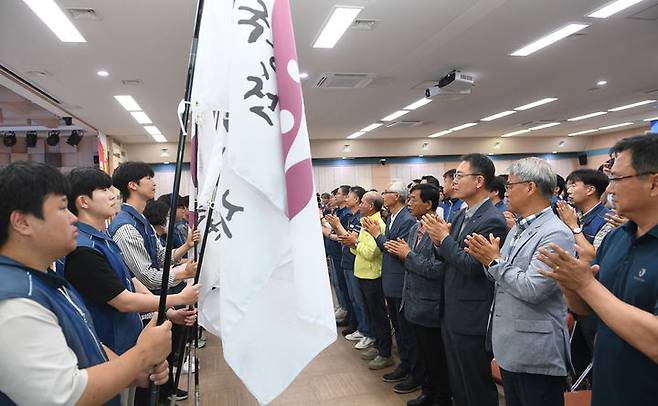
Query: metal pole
[153, 388]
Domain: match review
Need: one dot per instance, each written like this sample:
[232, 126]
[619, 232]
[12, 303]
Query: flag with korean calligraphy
[267, 292]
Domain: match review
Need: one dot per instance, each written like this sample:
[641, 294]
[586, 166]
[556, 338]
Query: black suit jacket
[468, 293]
[423, 282]
[392, 266]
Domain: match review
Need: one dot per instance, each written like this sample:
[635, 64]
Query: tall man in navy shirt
[625, 297]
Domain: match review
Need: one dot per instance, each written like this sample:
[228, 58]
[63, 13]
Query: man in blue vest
[50, 353]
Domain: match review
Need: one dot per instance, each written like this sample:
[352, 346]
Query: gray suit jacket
[529, 332]
[392, 267]
[422, 295]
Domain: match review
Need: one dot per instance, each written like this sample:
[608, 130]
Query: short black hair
[358, 191]
[333, 192]
[431, 180]
[561, 185]
[498, 186]
[156, 212]
[83, 181]
[127, 172]
[428, 193]
[24, 186]
[449, 174]
[590, 177]
[643, 149]
[344, 189]
[184, 201]
[481, 164]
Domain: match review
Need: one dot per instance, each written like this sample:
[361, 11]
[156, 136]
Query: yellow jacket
[368, 262]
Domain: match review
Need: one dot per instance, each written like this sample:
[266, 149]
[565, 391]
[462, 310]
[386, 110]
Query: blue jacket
[351, 222]
[116, 329]
[450, 208]
[55, 294]
[392, 267]
[593, 221]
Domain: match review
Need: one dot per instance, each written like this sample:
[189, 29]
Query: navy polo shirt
[593, 221]
[629, 269]
[351, 223]
[333, 248]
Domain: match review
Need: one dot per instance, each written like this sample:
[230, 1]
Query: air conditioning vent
[83, 14]
[131, 82]
[332, 80]
[403, 124]
[364, 25]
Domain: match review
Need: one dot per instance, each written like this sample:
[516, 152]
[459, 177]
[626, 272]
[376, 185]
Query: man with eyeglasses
[625, 296]
[467, 291]
[527, 323]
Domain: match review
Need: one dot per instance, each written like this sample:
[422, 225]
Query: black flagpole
[154, 389]
[186, 331]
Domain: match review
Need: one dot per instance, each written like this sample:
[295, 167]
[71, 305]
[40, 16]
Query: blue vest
[593, 221]
[55, 294]
[450, 208]
[116, 329]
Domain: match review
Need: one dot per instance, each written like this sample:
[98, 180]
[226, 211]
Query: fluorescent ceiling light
[463, 126]
[629, 106]
[608, 127]
[153, 130]
[128, 103]
[159, 138]
[651, 119]
[439, 134]
[395, 115]
[103, 73]
[549, 39]
[355, 135]
[499, 115]
[340, 20]
[56, 20]
[613, 8]
[303, 75]
[536, 103]
[598, 113]
[513, 133]
[417, 104]
[541, 127]
[593, 130]
[141, 117]
[370, 127]
[602, 83]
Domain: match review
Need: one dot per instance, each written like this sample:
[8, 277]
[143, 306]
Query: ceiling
[414, 41]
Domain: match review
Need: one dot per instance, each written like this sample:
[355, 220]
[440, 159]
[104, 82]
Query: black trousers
[406, 340]
[469, 366]
[375, 308]
[582, 344]
[533, 389]
[436, 384]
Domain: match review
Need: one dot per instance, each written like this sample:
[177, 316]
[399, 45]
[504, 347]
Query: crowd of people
[554, 278]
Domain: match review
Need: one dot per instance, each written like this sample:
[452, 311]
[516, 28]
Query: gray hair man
[527, 323]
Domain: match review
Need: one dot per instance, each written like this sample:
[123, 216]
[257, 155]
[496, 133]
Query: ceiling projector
[455, 82]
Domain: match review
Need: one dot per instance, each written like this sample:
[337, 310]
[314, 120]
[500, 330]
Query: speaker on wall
[582, 159]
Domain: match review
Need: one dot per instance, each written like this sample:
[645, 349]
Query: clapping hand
[436, 227]
[371, 226]
[482, 249]
[570, 272]
[567, 214]
[398, 247]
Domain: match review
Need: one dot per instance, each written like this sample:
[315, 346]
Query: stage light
[31, 139]
[9, 139]
[53, 138]
[75, 137]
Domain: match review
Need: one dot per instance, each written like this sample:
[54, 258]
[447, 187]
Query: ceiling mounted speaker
[9, 139]
[53, 138]
[31, 139]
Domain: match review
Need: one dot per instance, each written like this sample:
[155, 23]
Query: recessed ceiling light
[499, 115]
[608, 127]
[417, 104]
[56, 20]
[103, 73]
[651, 119]
[159, 138]
[370, 127]
[554, 152]
[490, 153]
[340, 20]
[395, 115]
[602, 83]
[593, 130]
[612, 8]
[421, 155]
[549, 39]
[541, 127]
[536, 103]
[128, 103]
[439, 134]
[355, 135]
[463, 126]
[513, 133]
[153, 130]
[141, 117]
[303, 75]
[598, 113]
[629, 106]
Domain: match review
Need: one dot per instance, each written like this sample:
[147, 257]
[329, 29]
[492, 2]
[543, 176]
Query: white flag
[272, 302]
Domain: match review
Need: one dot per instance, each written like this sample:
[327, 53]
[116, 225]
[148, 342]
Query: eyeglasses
[620, 178]
[509, 185]
[459, 175]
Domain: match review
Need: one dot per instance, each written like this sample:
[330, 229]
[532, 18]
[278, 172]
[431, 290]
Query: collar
[92, 231]
[377, 216]
[49, 277]
[525, 222]
[470, 211]
[591, 213]
[631, 228]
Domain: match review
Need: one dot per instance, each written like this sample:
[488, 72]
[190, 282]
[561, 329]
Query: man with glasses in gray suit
[528, 329]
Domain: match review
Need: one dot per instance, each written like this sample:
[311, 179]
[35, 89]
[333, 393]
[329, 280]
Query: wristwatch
[494, 262]
[577, 230]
